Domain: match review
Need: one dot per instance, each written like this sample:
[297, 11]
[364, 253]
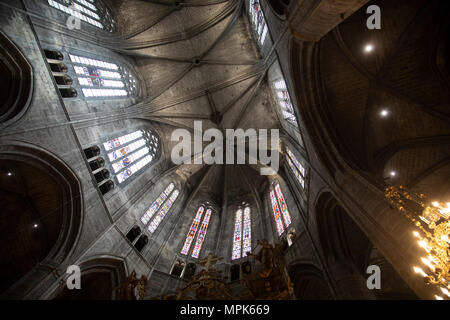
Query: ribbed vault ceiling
[198, 61]
[405, 75]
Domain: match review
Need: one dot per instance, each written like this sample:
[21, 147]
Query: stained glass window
[237, 235]
[283, 206]
[165, 208]
[297, 168]
[160, 207]
[276, 213]
[284, 101]
[280, 209]
[98, 78]
[242, 234]
[201, 234]
[117, 142]
[192, 231]
[93, 12]
[124, 175]
[126, 150]
[247, 241]
[258, 21]
[157, 204]
[129, 153]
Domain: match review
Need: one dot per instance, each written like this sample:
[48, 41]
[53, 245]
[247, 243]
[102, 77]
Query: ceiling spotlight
[384, 113]
[368, 48]
[9, 174]
[393, 173]
[35, 225]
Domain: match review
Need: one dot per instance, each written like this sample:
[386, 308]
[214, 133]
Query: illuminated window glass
[283, 206]
[258, 21]
[201, 234]
[124, 175]
[103, 79]
[88, 82]
[276, 213]
[93, 12]
[157, 204]
[164, 210]
[130, 153]
[103, 93]
[237, 235]
[247, 240]
[297, 168]
[192, 231]
[284, 101]
[242, 241]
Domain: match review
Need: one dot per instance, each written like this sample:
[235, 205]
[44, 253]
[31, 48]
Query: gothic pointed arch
[100, 278]
[197, 232]
[309, 282]
[41, 225]
[16, 86]
[242, 235]
[348, 252]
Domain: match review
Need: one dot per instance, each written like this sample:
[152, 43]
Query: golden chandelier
[433, 234]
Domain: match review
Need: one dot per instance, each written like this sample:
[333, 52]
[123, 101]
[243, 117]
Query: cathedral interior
[92, 92]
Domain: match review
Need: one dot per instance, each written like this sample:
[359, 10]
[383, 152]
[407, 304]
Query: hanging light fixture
[433, 234]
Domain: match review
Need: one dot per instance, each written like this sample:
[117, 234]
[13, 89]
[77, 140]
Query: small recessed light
[393, 173]
[35, 225]
[384, 113]
[368, 48]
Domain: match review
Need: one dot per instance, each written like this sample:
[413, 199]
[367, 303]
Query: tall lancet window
[297, 168]
[93, 12]
[131, 153]
[99, 78]
[280, 209]
[258, 21]
[247, 240]
[201, 235]
[284, 100]
[160, 207]
[237, 240]
[242, 234]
